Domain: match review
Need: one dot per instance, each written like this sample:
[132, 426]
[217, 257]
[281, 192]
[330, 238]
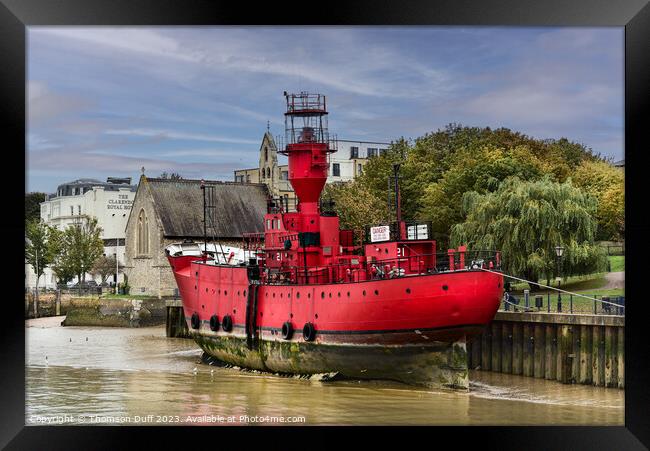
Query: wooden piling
[540, 348]
[575, 353]
[549, 352]
[565, 354]
[506, 348]
[620, 344]
[476, 352]
[529, 350]
[558, 354]
[585, 355]
[517, 348]
[496, 346]
[486, 349]
[610, 348]
[596, 362]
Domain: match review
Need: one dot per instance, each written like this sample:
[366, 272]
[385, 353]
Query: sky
[107, 101]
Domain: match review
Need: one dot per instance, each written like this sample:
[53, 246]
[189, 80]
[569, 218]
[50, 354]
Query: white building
[109, 202]
[348, 161]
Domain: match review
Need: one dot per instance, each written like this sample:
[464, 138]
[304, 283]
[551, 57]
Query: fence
[564, 303]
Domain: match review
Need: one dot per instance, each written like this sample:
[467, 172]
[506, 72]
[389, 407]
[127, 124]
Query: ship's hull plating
[410, 329]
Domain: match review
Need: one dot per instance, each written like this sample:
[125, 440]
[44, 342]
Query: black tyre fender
[308, 332]
[226, 323]
[214, 323]
[196, 322]
[287, 330]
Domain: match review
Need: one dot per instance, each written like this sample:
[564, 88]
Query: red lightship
[308, 302]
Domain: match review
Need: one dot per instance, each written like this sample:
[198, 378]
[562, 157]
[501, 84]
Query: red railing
[383, 269]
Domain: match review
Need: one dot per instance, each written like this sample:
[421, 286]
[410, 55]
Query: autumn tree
[171, 176]
[104, 267]
[607, 184]
[526, 221]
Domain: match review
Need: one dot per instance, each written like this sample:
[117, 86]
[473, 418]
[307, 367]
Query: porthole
[266, 294]
[225, 292]
[322, 294]
[445, 287]
[376, 292]
[206, 290]
[288, 295]
[238, 293]
[316, 316]
[244, 292]
[298, 295]
[408, 291]
[330, 295]
[348, 294]
[273, 294]
[290, 315]
[195, 287]
[308, 295]
[280, 295]
[339, 294]
[364, 292]
[234, 311]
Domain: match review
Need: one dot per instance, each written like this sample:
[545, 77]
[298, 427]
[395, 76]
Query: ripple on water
[140, 372]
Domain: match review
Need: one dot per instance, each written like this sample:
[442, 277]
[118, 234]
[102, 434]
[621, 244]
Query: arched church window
[142, 237]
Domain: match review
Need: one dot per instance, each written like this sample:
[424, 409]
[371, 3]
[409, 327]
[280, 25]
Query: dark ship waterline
[300, 299]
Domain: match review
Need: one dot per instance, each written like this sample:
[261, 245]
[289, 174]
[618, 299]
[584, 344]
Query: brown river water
[93, 375]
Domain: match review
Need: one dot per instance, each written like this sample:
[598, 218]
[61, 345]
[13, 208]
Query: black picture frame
[634, 15]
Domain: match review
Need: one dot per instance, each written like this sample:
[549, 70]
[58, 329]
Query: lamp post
[559, 250]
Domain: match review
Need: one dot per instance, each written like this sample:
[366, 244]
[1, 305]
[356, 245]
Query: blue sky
[105, 101]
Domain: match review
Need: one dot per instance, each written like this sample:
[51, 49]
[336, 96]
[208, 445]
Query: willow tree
[526, 221]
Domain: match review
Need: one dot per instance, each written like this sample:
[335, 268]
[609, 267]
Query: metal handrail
[397, 267]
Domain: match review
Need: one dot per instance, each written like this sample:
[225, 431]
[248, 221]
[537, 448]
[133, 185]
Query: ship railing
[406, 266]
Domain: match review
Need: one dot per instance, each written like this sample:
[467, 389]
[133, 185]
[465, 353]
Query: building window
[143, 234]
[354, 152]
[79, 210]
[383, 151]
[71, 210]
[266, 154]
[248, 178]
[360, 169]
[336, 169]
[372, 152]
[285, 175]
[268, 173]
[263, 173]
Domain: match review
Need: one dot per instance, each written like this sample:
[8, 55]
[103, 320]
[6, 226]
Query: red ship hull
[402, 328]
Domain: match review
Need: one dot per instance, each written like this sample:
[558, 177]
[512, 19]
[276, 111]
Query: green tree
[33, 206]
[526, 220]
[356, 207]
[81, 246]
[38, 250]
[439, 167]
[62, 263]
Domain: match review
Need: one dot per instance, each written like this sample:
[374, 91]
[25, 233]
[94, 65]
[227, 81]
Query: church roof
[240, 207]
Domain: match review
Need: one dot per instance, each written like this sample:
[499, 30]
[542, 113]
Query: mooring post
[58, 302]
